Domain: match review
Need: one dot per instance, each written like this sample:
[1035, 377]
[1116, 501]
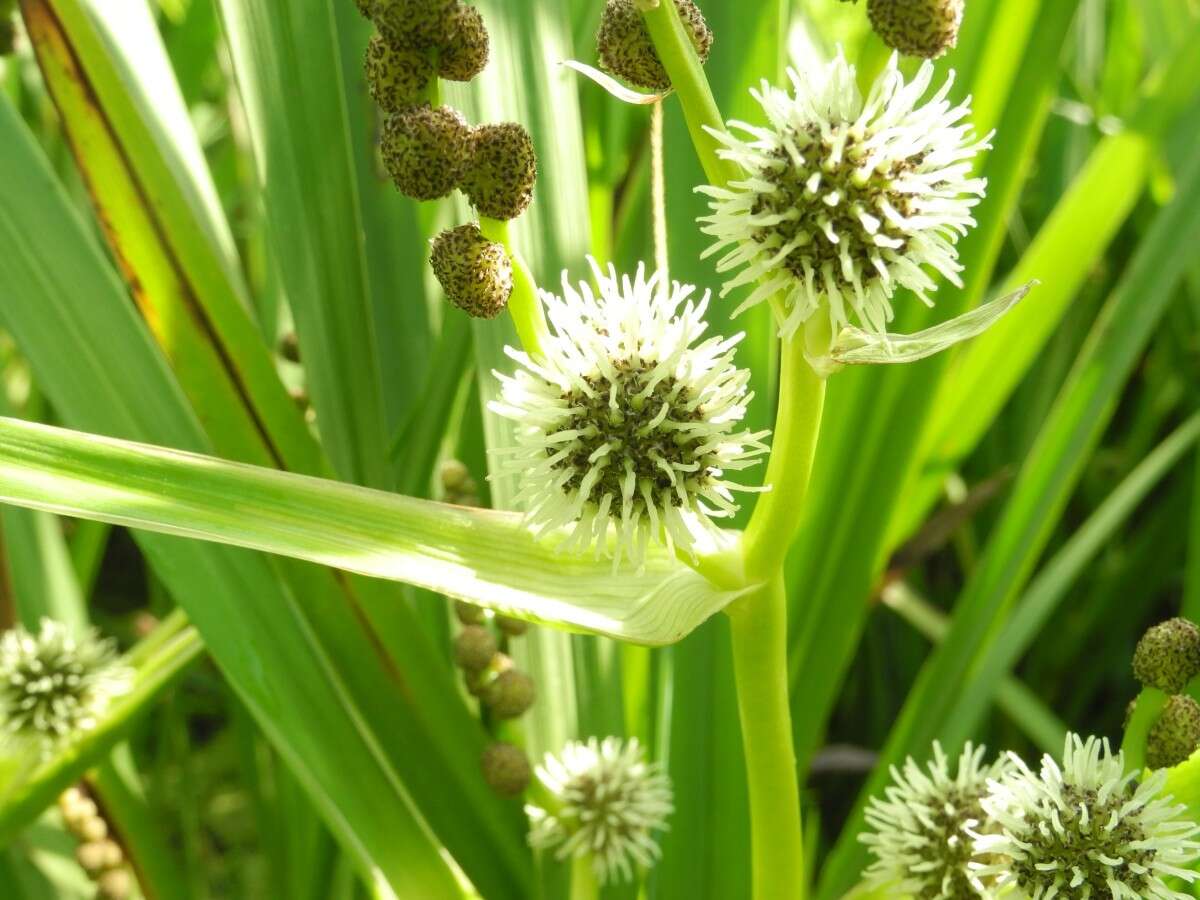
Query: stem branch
[686, 72]
[523, 305]
[758, 625]
[776, 516]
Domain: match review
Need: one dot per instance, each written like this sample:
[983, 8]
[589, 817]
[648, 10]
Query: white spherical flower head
[627, 418]
[845, 200]
[921, 834]
[608, 802]
[56, 684]
[1088, 830]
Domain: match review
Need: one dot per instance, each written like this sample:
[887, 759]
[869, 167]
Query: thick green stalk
[797, 425]
[1147, 707]
[700, 110]
[523, 305]
[758, 625]
[583, 879]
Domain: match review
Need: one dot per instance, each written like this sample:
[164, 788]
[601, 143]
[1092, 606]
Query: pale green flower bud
[925, 28]
[1168, 655]
[506, 769]
[95, 857]
[116, 884]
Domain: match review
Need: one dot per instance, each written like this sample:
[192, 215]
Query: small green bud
[453, 474]
[1176, 734]
[1168, 655]
[77, 810]
[627, 52]
[93, 829]
[419, 24]
[505, 768]
[510, 694]
[465, 51]
[474, 648]
[475, 273]
[925, 28]
[469, 613]
[396, 76]
[115, 884]
[95, 857]
[512, 627]
[499, 182]
[426, 150]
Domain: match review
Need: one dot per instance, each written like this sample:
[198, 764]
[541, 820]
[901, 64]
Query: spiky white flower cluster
[845, 200]
[608, 802]
[1087, 830]
[922, 829]
[624, 419]
[56, 683]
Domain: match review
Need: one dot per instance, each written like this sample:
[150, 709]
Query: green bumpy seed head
[499, 182]
[1168, 655]
[925, 28]
[474, 648]
[396, 76]
[426, 150]
[627, 52]
[505, 768]
[510, 694]
[475, 273]
[1176, 734]
[418, 24]
[465, 51]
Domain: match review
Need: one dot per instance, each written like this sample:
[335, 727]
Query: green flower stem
[523, 305]
[776, 516]
[583, 880]
[1147, 707]
[679, 58]
[758, 624]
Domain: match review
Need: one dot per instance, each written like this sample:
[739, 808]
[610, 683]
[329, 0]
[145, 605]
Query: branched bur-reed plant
[620, 442]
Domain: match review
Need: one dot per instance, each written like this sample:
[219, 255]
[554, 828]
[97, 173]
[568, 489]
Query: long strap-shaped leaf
[483, 556]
